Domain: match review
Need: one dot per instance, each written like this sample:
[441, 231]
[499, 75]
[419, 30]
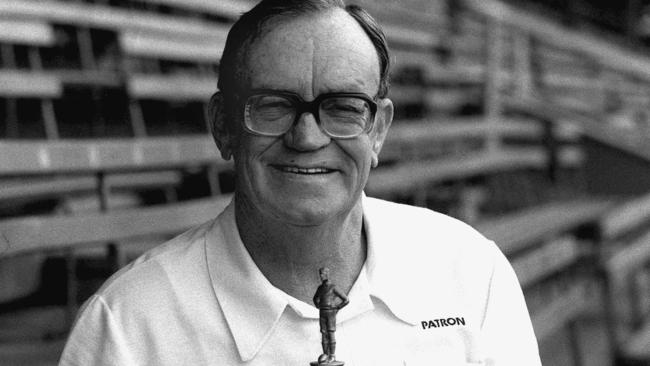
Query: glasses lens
[345, 116]
[269, 114]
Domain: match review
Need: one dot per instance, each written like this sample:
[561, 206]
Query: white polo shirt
[433, 291]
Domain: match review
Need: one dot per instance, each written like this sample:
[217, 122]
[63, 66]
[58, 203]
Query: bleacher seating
[21, 31]
[70, 168]
[56, 168]
[546, 244]
[573, 78]
[104, 104]
[31, 234]
[624, 254]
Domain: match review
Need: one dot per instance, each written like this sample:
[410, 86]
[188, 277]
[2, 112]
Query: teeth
[290, 169]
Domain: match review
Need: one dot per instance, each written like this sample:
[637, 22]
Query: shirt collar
[252, 306]
[387, 265]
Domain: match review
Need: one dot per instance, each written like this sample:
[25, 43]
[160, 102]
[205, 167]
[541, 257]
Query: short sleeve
[507, 329]
[96, 339]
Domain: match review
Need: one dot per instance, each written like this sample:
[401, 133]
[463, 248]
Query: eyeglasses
[339, 115]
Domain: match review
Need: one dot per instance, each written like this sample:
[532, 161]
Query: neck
[290, 255]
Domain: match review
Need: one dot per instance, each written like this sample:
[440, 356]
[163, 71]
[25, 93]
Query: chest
[379, 339]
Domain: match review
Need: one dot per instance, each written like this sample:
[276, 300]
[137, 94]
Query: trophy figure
[329, 301]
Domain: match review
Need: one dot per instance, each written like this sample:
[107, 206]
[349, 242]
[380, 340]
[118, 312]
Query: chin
[308, 212]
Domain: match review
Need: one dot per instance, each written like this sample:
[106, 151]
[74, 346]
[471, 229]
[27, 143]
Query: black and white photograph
[324, 182]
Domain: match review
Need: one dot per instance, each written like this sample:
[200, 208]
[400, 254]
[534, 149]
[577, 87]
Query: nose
[306, 134]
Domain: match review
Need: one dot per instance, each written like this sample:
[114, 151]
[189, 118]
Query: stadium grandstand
[528, 119]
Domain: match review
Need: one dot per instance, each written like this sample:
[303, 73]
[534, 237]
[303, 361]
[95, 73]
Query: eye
[271, 103]
[344, 105]
[269, 108]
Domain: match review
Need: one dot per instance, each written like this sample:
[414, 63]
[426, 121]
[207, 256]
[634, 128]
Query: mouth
[303, 171]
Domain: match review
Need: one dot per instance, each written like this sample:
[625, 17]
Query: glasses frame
[312, 107]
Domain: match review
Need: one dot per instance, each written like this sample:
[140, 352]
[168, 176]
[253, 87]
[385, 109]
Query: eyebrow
[354, 87]
[326, 91]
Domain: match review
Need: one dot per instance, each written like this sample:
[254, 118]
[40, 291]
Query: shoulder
[422, 227]
[440, 264]
[425, 244]
[402, 214]
[155, 272]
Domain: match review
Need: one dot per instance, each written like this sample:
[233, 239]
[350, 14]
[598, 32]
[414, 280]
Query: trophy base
[332, 363]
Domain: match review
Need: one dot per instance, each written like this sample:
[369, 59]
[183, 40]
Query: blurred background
[529, 119]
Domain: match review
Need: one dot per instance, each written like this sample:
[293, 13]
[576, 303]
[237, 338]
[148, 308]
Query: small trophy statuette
[329, 301]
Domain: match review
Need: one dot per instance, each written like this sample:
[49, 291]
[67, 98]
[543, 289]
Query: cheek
[251, 148]
[360, 152]
[249, 157]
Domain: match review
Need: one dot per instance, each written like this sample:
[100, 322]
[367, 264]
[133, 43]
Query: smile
[297, 170]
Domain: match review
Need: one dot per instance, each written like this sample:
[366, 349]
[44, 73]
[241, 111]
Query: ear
[383, 120]
[222, 132]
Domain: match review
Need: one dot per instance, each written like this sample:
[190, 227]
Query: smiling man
[302, 110]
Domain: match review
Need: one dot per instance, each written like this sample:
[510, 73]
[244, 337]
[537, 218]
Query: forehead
[313, 54]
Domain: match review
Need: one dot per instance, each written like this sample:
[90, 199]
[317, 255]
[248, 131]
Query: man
[329, 300]
[302, 109]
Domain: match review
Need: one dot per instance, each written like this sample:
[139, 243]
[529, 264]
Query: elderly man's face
[305, 177]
